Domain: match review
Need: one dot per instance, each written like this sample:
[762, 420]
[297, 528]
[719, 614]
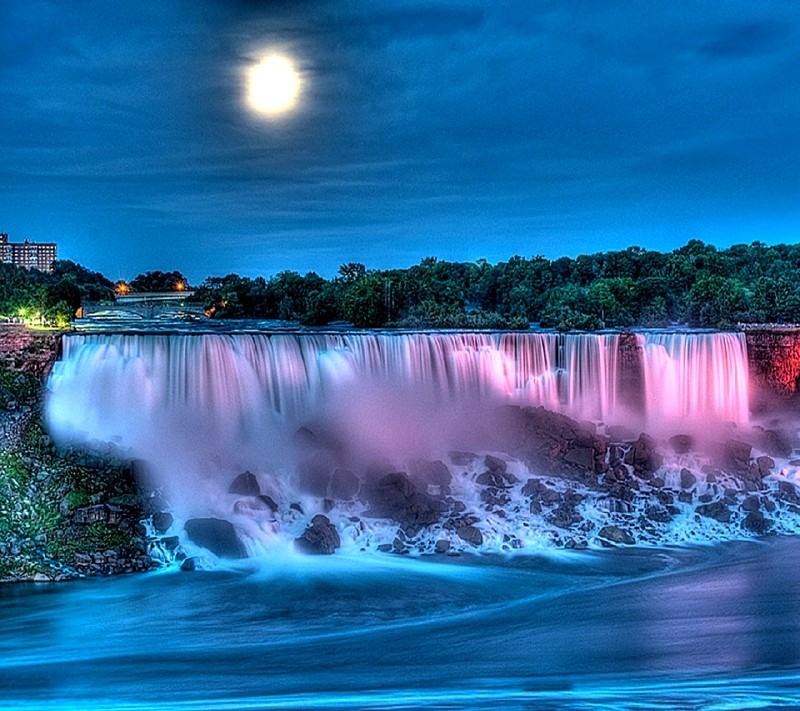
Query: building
[31, 255]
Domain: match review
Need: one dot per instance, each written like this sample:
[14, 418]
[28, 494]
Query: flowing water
[693, 628]
[710, 627]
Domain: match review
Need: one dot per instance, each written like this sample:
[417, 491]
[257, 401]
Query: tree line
[697, 285]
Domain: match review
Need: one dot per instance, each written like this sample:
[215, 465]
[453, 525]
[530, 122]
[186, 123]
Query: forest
[696, 285]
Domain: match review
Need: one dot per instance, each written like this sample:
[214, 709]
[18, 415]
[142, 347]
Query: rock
[162, 520]
[643, 455]
[470, 534]
[189, 565]
[681, 443]
[269, 502]
[688, 480]
[756, 522]
[320, 538]
[442, 546]
[657, 514]
[245, 484]
[537, 490]
[41, 578]
[788, 492]
[716, 510]
[751, 503]
[685, 497]
[295, 506]
[344, 484]
[462, 459]
[394, 496]
[494, 464]
[170, 542]
[614, 534]
[736, 454]
[581, 456]
[775, 444]
[765, 466]
[216, 535]
[428, 472]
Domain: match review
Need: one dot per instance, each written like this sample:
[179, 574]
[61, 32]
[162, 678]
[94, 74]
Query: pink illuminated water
[696, 377]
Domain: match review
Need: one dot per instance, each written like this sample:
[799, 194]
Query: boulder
[756, 522]
[765, 466]
[751, 503]
[189, 565]
[162, 520]
[688, 480]
[269, 502]
[394, 496]
[643, 455]
[681, 443]
[245, 484]
[462, 459]
[716, 510]
[615, 534]
[216, 535]
[581, 456]
[320, 538]
[470, 534]
[428, 472]
[736, 454]
[495, 464]
[442, 546]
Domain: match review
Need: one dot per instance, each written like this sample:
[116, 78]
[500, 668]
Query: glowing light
[122, 287]
[272, 85]
[180, 286]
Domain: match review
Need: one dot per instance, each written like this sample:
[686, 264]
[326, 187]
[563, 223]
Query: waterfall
[696, 377]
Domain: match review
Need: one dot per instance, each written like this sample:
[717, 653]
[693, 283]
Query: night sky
[456, 129]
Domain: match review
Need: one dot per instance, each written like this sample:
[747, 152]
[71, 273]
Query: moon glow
[272, 85]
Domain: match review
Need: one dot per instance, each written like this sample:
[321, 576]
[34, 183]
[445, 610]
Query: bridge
[146, 305]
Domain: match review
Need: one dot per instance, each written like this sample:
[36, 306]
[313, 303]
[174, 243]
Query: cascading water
[201, 408]
[696, 378]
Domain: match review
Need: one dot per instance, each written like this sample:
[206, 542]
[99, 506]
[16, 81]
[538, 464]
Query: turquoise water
[707, 628]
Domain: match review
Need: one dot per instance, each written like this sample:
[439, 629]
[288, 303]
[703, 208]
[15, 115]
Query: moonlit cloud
[465, 130]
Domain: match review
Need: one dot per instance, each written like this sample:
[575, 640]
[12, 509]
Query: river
[712, 627]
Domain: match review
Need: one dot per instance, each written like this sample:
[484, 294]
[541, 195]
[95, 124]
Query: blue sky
[463, 130]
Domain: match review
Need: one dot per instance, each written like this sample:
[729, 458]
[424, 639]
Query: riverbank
[62, 515]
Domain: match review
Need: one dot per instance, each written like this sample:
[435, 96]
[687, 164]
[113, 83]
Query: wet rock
[216, 535]
[688, 480]
[751, 503]
[170, 542]
[462, 459]
[681, 443]
[245, 484]
[615, 534]
[657, 514]
[430, 472]
[765, 466]
[162, 521]
[189, 565]
[581, 456]
[442, 546]
[775, 443]
[736, 454]
[394, 496]
[756, 522]
[643, 455]
[320, 538]
[685, 497]
[344, 484]
[295, 506]
[269, 502]
[716, 510]
[470, 534]
[538, 491]
[788, 492]
[494, 464]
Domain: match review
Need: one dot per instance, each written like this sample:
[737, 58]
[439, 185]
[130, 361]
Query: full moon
[272, 85]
